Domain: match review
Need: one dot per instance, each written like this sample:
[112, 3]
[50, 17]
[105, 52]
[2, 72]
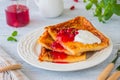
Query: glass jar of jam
[17, 13]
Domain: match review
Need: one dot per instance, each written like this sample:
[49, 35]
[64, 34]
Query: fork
[104, 74]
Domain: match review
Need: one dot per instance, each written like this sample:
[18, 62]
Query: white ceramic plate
[29, 50]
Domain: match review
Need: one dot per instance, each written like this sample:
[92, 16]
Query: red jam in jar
[67, 35]
[17, 15]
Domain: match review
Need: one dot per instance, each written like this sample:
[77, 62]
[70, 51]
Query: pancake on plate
[70, 41]
[85, 36]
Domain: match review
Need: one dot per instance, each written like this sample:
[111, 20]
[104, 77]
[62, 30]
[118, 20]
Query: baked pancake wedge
[46, 41]
[52, 56]
[77, 47]
[58, 54]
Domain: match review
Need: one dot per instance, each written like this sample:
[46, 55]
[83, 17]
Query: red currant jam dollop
[56, 45]
[58, 55]
[66, 35]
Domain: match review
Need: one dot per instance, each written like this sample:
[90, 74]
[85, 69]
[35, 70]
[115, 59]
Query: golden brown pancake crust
[80, 23]
[45, 55]
[72, 49]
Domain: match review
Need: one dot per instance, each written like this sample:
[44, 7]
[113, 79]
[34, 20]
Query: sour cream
[86, 37]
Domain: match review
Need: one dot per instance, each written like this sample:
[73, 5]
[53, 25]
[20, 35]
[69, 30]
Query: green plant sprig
[12, 36]
[104, 9]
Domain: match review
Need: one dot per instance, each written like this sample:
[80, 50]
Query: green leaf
[113, 1]
[98, 11]
[84, 0]
[15, 39]
[11, 39]
[107, 9]
[108, 12]
[101, 4]
[12, 36]
[100, 18]
[94, 1]
[116, 9]
[14, 33]
[108, 16]
[89, 5]
[103, 9]
[106, 2]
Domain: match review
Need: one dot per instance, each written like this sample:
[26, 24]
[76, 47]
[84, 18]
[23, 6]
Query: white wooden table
[111, 28]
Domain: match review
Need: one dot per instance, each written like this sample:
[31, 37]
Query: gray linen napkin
[5, 60]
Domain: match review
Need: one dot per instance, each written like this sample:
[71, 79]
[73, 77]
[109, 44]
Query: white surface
[111, 28]
[29, 50]
[86, 37]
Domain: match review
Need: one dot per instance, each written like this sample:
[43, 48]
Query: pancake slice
[76, 47]
[46, 41]
[58, 57]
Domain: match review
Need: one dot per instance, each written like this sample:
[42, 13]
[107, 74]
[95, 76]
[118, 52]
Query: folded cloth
[5, 60]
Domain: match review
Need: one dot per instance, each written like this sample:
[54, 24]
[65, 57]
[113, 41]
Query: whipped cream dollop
[86, 37]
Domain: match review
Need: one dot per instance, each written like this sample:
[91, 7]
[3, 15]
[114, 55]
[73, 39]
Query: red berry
[72, 7]
[76, 0]
[66, 35]
[76, 33]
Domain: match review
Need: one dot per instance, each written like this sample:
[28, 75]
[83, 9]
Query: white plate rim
[54, 66]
